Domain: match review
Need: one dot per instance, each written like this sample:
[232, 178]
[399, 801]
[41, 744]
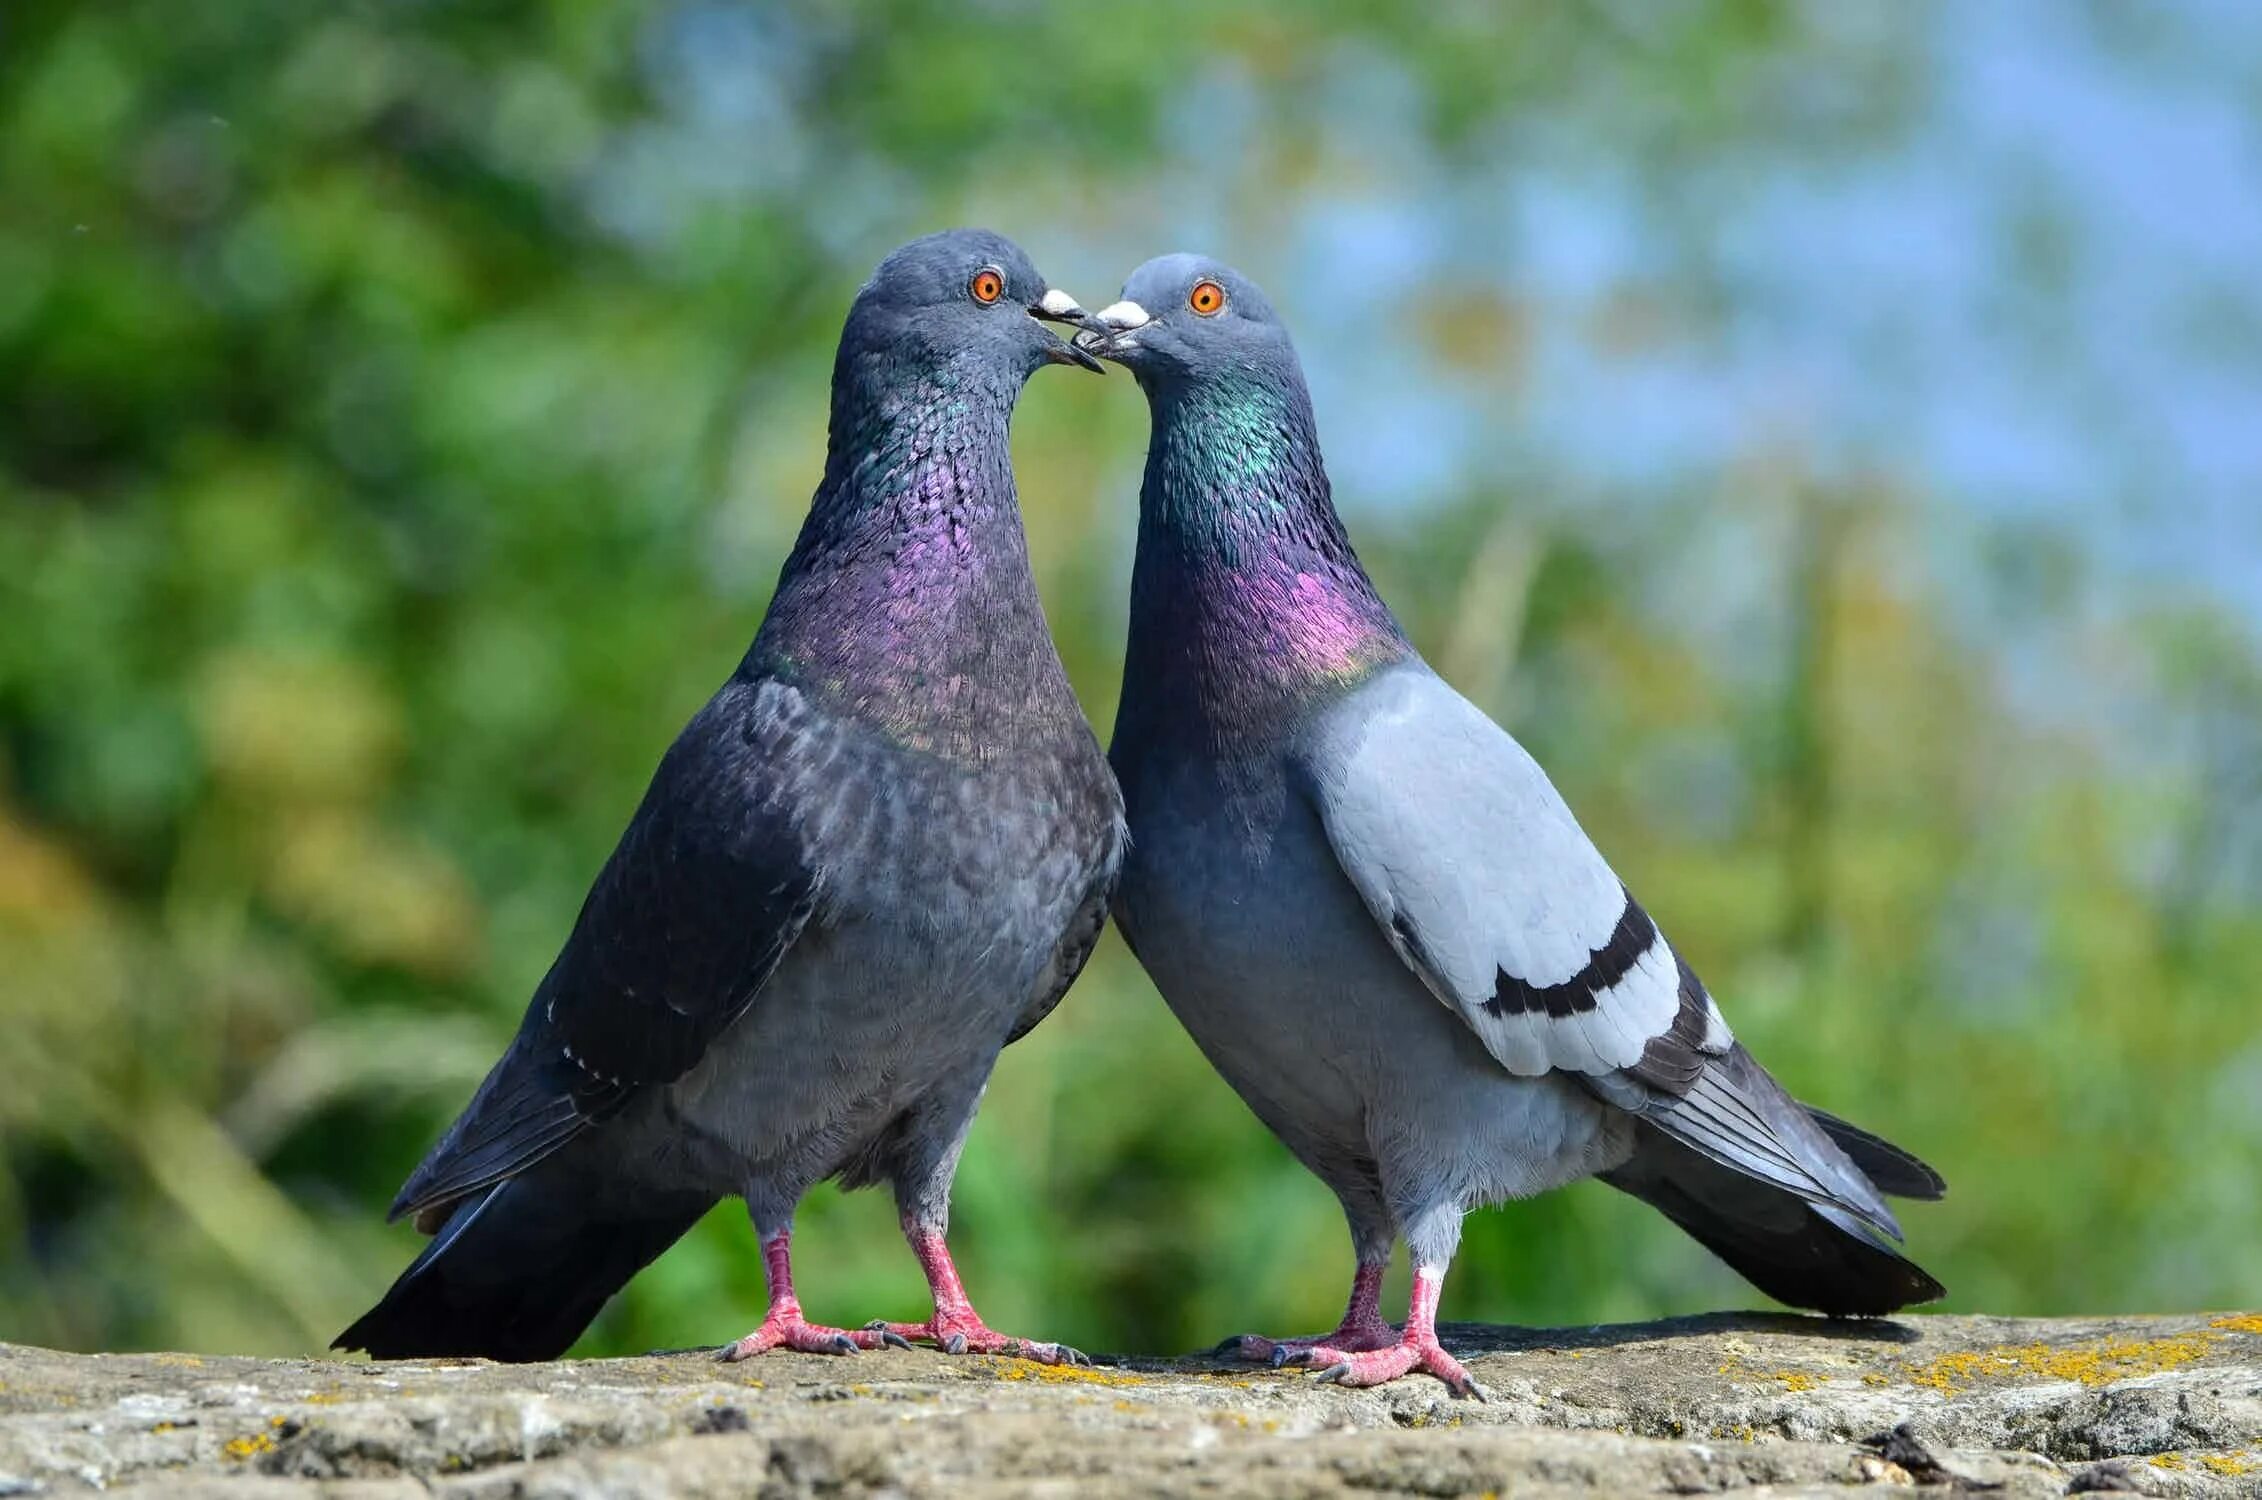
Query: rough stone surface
[1759, 1404]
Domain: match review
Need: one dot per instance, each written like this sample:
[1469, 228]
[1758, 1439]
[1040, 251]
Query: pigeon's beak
[1113, 332]
[1056, 306]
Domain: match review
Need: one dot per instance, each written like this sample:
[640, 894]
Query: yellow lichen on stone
[2231, 1465]
[2240, 1323]
[2099, 1362]
[1024, 1369]
[248, 1447]
[1792, 1380]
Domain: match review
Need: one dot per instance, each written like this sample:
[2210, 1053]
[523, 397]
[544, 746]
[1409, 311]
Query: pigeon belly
[1263, 950]
[896, 1007]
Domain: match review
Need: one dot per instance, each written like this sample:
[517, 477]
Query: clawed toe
[1278, 1353]
[961, 1335]
[889, 1333]
[1376, 1366]
[1254, 1347]
[803, 1338]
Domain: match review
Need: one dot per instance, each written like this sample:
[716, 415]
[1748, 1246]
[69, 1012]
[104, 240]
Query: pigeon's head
[1188, 317]
[964, 297]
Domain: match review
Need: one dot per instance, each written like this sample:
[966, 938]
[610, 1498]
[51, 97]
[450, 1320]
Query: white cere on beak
[1123, 316]
[1059, 304]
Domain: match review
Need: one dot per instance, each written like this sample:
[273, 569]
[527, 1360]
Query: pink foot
[1417, 1349]
[1360, 1367]
[1258, 1349]
[964, 1332]
[1362, 1328]
[786, 1330]
[956, 1328]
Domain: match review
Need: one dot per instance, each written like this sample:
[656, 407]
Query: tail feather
[1739, 1118]
[1894, 1170]
[521, 1269]
[1801, 1253]
[525, 1110]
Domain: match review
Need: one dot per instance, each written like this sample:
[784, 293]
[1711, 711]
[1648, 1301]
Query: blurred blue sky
[2009, 256]
[2040, 296]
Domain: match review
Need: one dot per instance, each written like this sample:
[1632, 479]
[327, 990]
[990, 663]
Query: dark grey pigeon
[879, 854]
[1377, 917]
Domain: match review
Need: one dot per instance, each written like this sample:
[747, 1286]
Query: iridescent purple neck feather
[1248, 606]
[908, 601]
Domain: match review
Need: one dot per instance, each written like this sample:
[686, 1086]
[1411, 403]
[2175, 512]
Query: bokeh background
[1830, 435]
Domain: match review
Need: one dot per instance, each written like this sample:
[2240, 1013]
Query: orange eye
[1207, 298]
[987, 286]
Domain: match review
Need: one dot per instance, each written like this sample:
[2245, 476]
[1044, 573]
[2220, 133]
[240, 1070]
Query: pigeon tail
[1896, 1171]
[1801, 1253]
[525, 1109]
[519, 1270]
[1739, 1117]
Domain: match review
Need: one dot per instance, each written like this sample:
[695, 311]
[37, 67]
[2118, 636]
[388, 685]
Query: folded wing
[714, 879]
[1489, 890]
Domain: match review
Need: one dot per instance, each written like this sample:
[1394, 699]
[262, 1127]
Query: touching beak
[1056, 306]
[1110, 333]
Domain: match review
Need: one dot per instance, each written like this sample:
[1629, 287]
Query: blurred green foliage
[403, 411]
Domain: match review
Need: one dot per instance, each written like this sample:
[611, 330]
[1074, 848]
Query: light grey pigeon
[1375, 914]
[879, 854]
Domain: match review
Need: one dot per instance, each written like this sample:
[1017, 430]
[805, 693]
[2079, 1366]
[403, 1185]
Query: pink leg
[1418, 1349]
[1362, 1327]
[784, 1327]
[956, 1327]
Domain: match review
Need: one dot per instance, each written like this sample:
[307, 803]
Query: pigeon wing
[714, 879]
[1075, 947]
[1485, 885]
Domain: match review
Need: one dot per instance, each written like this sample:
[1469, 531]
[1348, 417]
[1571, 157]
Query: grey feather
[880, 852]
[1371, 908]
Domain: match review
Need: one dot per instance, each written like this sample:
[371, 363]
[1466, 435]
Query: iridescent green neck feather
[1248, 606]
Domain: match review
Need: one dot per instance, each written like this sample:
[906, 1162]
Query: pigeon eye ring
[1206, 298]
[987, 286]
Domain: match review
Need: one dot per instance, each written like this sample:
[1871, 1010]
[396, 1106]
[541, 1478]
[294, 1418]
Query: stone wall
[1771, 1405]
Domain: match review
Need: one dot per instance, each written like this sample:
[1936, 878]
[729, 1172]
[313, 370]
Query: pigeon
[879, 854]
[1378, 918]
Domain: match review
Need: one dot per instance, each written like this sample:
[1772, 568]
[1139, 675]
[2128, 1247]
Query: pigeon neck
[1247, 601]
[908, 600]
